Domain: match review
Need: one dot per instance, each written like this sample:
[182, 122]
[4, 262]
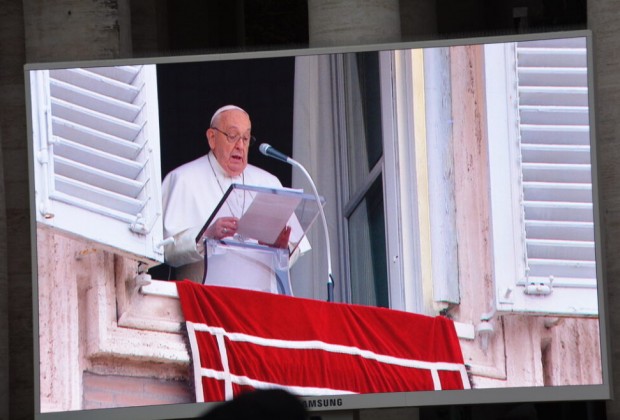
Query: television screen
[455, 257]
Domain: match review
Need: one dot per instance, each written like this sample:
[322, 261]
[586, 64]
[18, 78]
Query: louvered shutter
[556, 267]
[96, 137]
[555, 154]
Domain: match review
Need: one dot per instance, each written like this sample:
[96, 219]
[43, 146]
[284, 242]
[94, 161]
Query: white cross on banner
[242, 340]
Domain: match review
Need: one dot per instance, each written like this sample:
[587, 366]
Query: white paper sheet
[267, 216]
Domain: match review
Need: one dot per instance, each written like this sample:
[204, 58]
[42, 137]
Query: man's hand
[281, 240]
[223, 227]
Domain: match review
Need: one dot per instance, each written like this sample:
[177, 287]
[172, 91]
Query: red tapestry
[243, 340]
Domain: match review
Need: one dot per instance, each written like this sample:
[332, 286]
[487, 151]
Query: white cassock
[190, 194]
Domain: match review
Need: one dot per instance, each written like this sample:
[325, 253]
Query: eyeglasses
[234, 138]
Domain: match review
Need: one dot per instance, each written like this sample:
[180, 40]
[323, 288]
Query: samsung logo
[323, 402]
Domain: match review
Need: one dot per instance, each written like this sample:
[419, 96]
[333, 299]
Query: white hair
[224, 109]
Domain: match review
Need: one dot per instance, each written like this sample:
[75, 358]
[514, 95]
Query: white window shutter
[557, 272]
[97, 156]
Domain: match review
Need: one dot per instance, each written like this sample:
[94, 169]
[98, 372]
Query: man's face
[233, 157]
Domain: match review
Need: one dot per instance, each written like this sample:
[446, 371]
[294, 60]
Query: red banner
[243, 339]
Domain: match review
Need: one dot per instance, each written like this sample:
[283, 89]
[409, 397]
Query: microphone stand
[330, 278]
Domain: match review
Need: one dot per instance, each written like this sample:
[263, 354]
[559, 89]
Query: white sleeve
[180, 221]
[184, 249]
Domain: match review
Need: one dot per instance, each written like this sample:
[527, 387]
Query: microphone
[268, 150]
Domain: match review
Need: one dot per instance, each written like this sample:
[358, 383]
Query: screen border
[365, 401]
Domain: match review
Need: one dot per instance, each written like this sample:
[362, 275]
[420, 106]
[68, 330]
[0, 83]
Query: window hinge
[539, 286]
[139, 225]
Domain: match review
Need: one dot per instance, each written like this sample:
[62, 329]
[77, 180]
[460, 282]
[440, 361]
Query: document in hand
[264, 212]
[267, 216]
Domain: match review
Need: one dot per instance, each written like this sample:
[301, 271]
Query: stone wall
[604, 21]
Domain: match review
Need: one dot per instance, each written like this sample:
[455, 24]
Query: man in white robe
[191, 193]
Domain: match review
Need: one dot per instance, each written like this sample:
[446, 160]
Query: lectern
[248, 260]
